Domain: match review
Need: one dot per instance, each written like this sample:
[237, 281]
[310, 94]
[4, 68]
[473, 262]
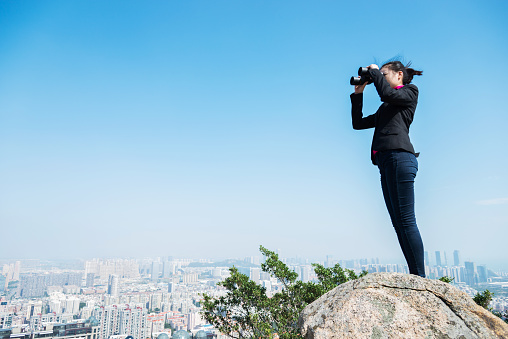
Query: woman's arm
[359, 122]
[404, 96]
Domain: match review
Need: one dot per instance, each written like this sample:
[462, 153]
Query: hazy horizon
[496, 265]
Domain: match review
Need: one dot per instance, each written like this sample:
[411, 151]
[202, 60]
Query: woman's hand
[373, 66]
[359, 88]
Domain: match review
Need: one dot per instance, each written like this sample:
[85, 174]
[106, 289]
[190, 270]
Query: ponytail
[407, 72]
[410, 73]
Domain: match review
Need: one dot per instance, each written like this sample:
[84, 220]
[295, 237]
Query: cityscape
[162, 297]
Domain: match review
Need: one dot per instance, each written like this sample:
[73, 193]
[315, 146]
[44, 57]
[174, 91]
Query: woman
[393, 152]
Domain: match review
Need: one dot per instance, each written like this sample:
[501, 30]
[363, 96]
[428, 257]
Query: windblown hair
[407, 72]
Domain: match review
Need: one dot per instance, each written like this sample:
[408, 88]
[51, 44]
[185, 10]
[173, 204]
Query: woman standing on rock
[393, 152]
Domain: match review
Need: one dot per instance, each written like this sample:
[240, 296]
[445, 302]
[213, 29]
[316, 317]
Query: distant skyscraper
[445, 259]
[167, 269]
[172, 285]
[426, 257]
[350, 264]
[471, 275]
[33, 285]
[113, 285]
[456, 258]
[306, 270]
[124, 268]
[482, 273]
[90, 277]
[155, 270]
[438, 258]
[15, 275]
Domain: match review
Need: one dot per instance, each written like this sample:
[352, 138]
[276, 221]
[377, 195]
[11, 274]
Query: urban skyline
[449, 256]
[114, 298]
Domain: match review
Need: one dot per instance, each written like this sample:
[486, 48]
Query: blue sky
[208, 128]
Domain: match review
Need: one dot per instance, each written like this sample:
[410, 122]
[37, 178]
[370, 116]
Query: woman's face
[393, 78]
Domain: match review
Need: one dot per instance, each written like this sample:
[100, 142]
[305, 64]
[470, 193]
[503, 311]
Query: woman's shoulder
[411, 87]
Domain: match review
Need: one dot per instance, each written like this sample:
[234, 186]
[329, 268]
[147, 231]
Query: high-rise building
[155, 270]
[33, 285]
[456, 258]
[457, 273]
[471, 274]
[6, 321]
[71, 305]
[438, 258]
[168, 269]
[155, 301]
[33, 308]
[194, 319]
[482, 273]
[65, 279]
[188, 278]
[350, 264]
[55, 306]
[124, 268]
[90, 277]
[306, 270]
[155, 322]
[81, 329]
[17, 267]
[165, 269]
[11, 271]
[113, 285]
[122, 319]
[255, 274]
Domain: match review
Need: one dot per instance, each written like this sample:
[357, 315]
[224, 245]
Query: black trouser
[398, 171]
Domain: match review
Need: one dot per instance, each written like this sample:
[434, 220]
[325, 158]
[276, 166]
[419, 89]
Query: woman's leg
[389, 206]
[398, 171]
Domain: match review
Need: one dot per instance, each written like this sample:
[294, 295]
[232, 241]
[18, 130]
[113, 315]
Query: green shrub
[247, 312]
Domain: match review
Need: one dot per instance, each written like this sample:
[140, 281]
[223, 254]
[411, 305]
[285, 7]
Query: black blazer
[393, 117]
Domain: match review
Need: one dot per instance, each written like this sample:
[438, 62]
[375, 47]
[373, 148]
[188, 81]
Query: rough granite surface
[395, 305]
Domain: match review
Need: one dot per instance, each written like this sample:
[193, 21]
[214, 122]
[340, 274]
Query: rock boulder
[395, 305]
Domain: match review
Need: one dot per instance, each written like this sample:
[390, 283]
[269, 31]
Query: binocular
[363, 77]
